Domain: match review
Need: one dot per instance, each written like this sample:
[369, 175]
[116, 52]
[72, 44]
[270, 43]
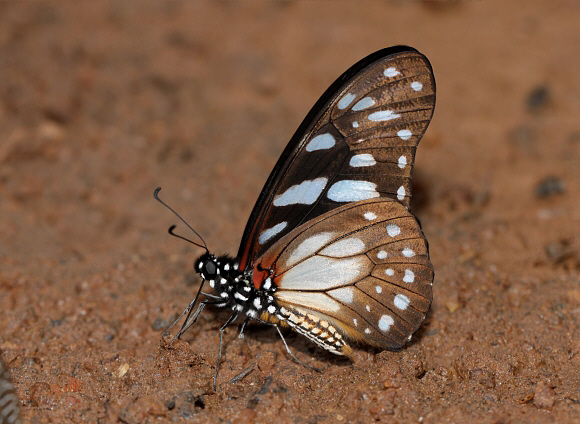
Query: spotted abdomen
[317, 328]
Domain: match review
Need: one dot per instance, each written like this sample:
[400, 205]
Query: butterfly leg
[298, 361]
[186, 311]
[241, 335]
[219, 358]
[212, 297]
[190, 320]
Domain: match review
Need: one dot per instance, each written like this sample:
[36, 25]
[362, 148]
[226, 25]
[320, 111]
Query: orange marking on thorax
[259, 276]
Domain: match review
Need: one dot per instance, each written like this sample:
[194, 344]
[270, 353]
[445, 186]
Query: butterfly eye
[210, 269]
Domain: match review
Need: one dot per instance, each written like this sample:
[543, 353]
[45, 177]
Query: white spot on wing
[408, 253]
[343, 248]
[368, 308]
[390, 272]
[367, 330]
[382, 254]
[304, 193]
[416, 85]
[320, 273]
[402, 162]
[354, 321]
[346, 100]
[385, 322]
[391, 72]
[409, 276]
[379, 289]
[363, 104]
[393, 230]
[320, 142]
[344, 294]
[404, 134]
[364, 159]
[355, 124]
[370, 216]
[402, 302]
[271, 232]
[308, 247]
[401, 193]
[352, 191]
[316, 301]
[383, 115]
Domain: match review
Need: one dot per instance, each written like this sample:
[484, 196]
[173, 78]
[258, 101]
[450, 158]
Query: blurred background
[101, 102]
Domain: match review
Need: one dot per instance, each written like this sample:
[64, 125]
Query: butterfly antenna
[156, 195]
[170, 231]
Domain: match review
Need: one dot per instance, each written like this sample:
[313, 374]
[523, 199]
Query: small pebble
[123, 369]
[549, 186]
[41, 395]
[544, 396]
[538, 98]
[452, 305]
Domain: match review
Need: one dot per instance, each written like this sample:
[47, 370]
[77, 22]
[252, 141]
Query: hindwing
[363, 267]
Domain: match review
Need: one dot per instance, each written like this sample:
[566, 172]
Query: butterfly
[331, 249]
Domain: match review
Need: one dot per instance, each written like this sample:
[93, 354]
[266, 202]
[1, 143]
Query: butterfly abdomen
[316, 328]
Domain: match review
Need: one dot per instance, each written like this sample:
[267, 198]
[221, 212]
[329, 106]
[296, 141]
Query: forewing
[364, 267]
[357, 143]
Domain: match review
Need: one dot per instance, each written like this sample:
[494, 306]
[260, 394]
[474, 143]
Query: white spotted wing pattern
[361, 270]
[357, 143]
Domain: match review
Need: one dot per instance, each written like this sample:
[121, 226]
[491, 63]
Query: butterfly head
[211, 267]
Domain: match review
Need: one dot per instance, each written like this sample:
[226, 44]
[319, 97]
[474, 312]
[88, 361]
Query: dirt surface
[101, 102]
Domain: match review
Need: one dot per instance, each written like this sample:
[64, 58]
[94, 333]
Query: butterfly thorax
[235, 287]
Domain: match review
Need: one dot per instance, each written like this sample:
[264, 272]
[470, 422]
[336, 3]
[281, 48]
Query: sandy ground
[101, 102]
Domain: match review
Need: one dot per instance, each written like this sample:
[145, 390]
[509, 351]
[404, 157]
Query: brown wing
[357, 143]
[362, 267]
